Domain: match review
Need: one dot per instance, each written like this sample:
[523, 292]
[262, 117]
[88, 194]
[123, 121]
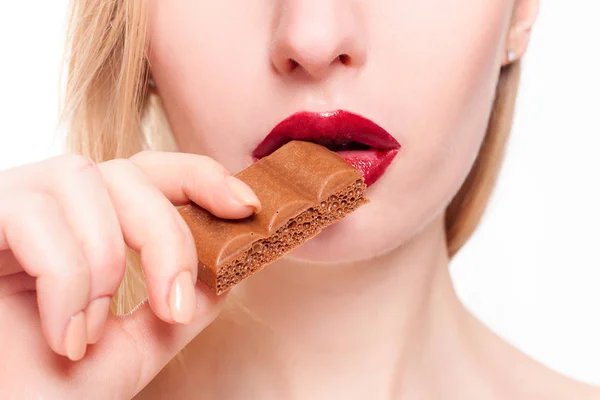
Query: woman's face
[425, 71]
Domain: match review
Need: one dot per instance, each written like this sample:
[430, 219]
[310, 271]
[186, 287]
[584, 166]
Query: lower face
[229, 71]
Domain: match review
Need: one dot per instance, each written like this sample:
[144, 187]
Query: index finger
[183, 177]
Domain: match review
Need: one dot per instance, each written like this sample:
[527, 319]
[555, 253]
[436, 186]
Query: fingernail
[96, 313]
[75, 338]
[183, 298]
[243, 193]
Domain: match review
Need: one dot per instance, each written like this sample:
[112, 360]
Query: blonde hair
[112, 115]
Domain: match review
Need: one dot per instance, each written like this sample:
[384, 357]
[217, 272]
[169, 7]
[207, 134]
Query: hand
[64, 227]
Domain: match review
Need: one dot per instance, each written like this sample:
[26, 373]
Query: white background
[532, 271]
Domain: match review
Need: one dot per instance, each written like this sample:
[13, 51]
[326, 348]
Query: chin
[361, 236]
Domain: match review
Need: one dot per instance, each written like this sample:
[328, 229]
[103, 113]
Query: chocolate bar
[303, 187]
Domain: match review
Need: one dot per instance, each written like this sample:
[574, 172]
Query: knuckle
[109, 258]
[208, 164]
[119, 166]
[142, 155]
[187, 248]
[186, 232]
[178, 234]
[77, 276]
[202, 170]
[176, 239]
[70, 277]
[76, 163]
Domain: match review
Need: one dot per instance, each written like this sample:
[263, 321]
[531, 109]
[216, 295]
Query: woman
[366, 310]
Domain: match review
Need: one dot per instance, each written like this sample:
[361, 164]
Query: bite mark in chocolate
[303, 188]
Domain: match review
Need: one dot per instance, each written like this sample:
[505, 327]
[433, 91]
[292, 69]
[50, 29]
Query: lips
[359, 141]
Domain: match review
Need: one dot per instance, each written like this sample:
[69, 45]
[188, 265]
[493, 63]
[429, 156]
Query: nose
[314, 38]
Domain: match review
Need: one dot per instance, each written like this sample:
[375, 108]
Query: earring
[511, 56]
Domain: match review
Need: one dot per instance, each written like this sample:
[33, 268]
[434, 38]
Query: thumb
[135, 348]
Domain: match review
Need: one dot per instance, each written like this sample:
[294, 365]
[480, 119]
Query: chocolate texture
[303, 187]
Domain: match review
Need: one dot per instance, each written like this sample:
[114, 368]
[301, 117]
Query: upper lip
[337, 130]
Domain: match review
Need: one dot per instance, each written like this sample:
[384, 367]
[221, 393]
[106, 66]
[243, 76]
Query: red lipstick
[360, 141]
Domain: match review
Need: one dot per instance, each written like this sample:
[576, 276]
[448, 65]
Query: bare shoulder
[559, 387]
[542, 382]
[584, 392]
[532, 381]
[522, 378]
[514, 375]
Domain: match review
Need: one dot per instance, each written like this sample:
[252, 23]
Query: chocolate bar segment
[303, 188]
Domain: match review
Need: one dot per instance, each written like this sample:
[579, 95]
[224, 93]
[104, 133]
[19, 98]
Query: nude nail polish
[243, 193]
[182, 299]
[76, 337]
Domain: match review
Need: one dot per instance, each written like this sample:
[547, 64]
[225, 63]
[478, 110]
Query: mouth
[358, 140]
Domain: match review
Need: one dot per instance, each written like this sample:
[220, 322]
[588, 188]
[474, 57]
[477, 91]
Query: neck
[369, 319]
[331, 307]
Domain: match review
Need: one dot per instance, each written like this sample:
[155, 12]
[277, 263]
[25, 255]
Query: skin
[349, 315]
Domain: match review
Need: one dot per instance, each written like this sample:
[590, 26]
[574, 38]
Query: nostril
[344, 59]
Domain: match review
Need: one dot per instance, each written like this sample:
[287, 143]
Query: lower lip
[371, 163]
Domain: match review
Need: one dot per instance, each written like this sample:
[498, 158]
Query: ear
[523, 17]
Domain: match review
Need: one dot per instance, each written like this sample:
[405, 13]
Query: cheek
[439, 96]
[206, 78]
[451, 107]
